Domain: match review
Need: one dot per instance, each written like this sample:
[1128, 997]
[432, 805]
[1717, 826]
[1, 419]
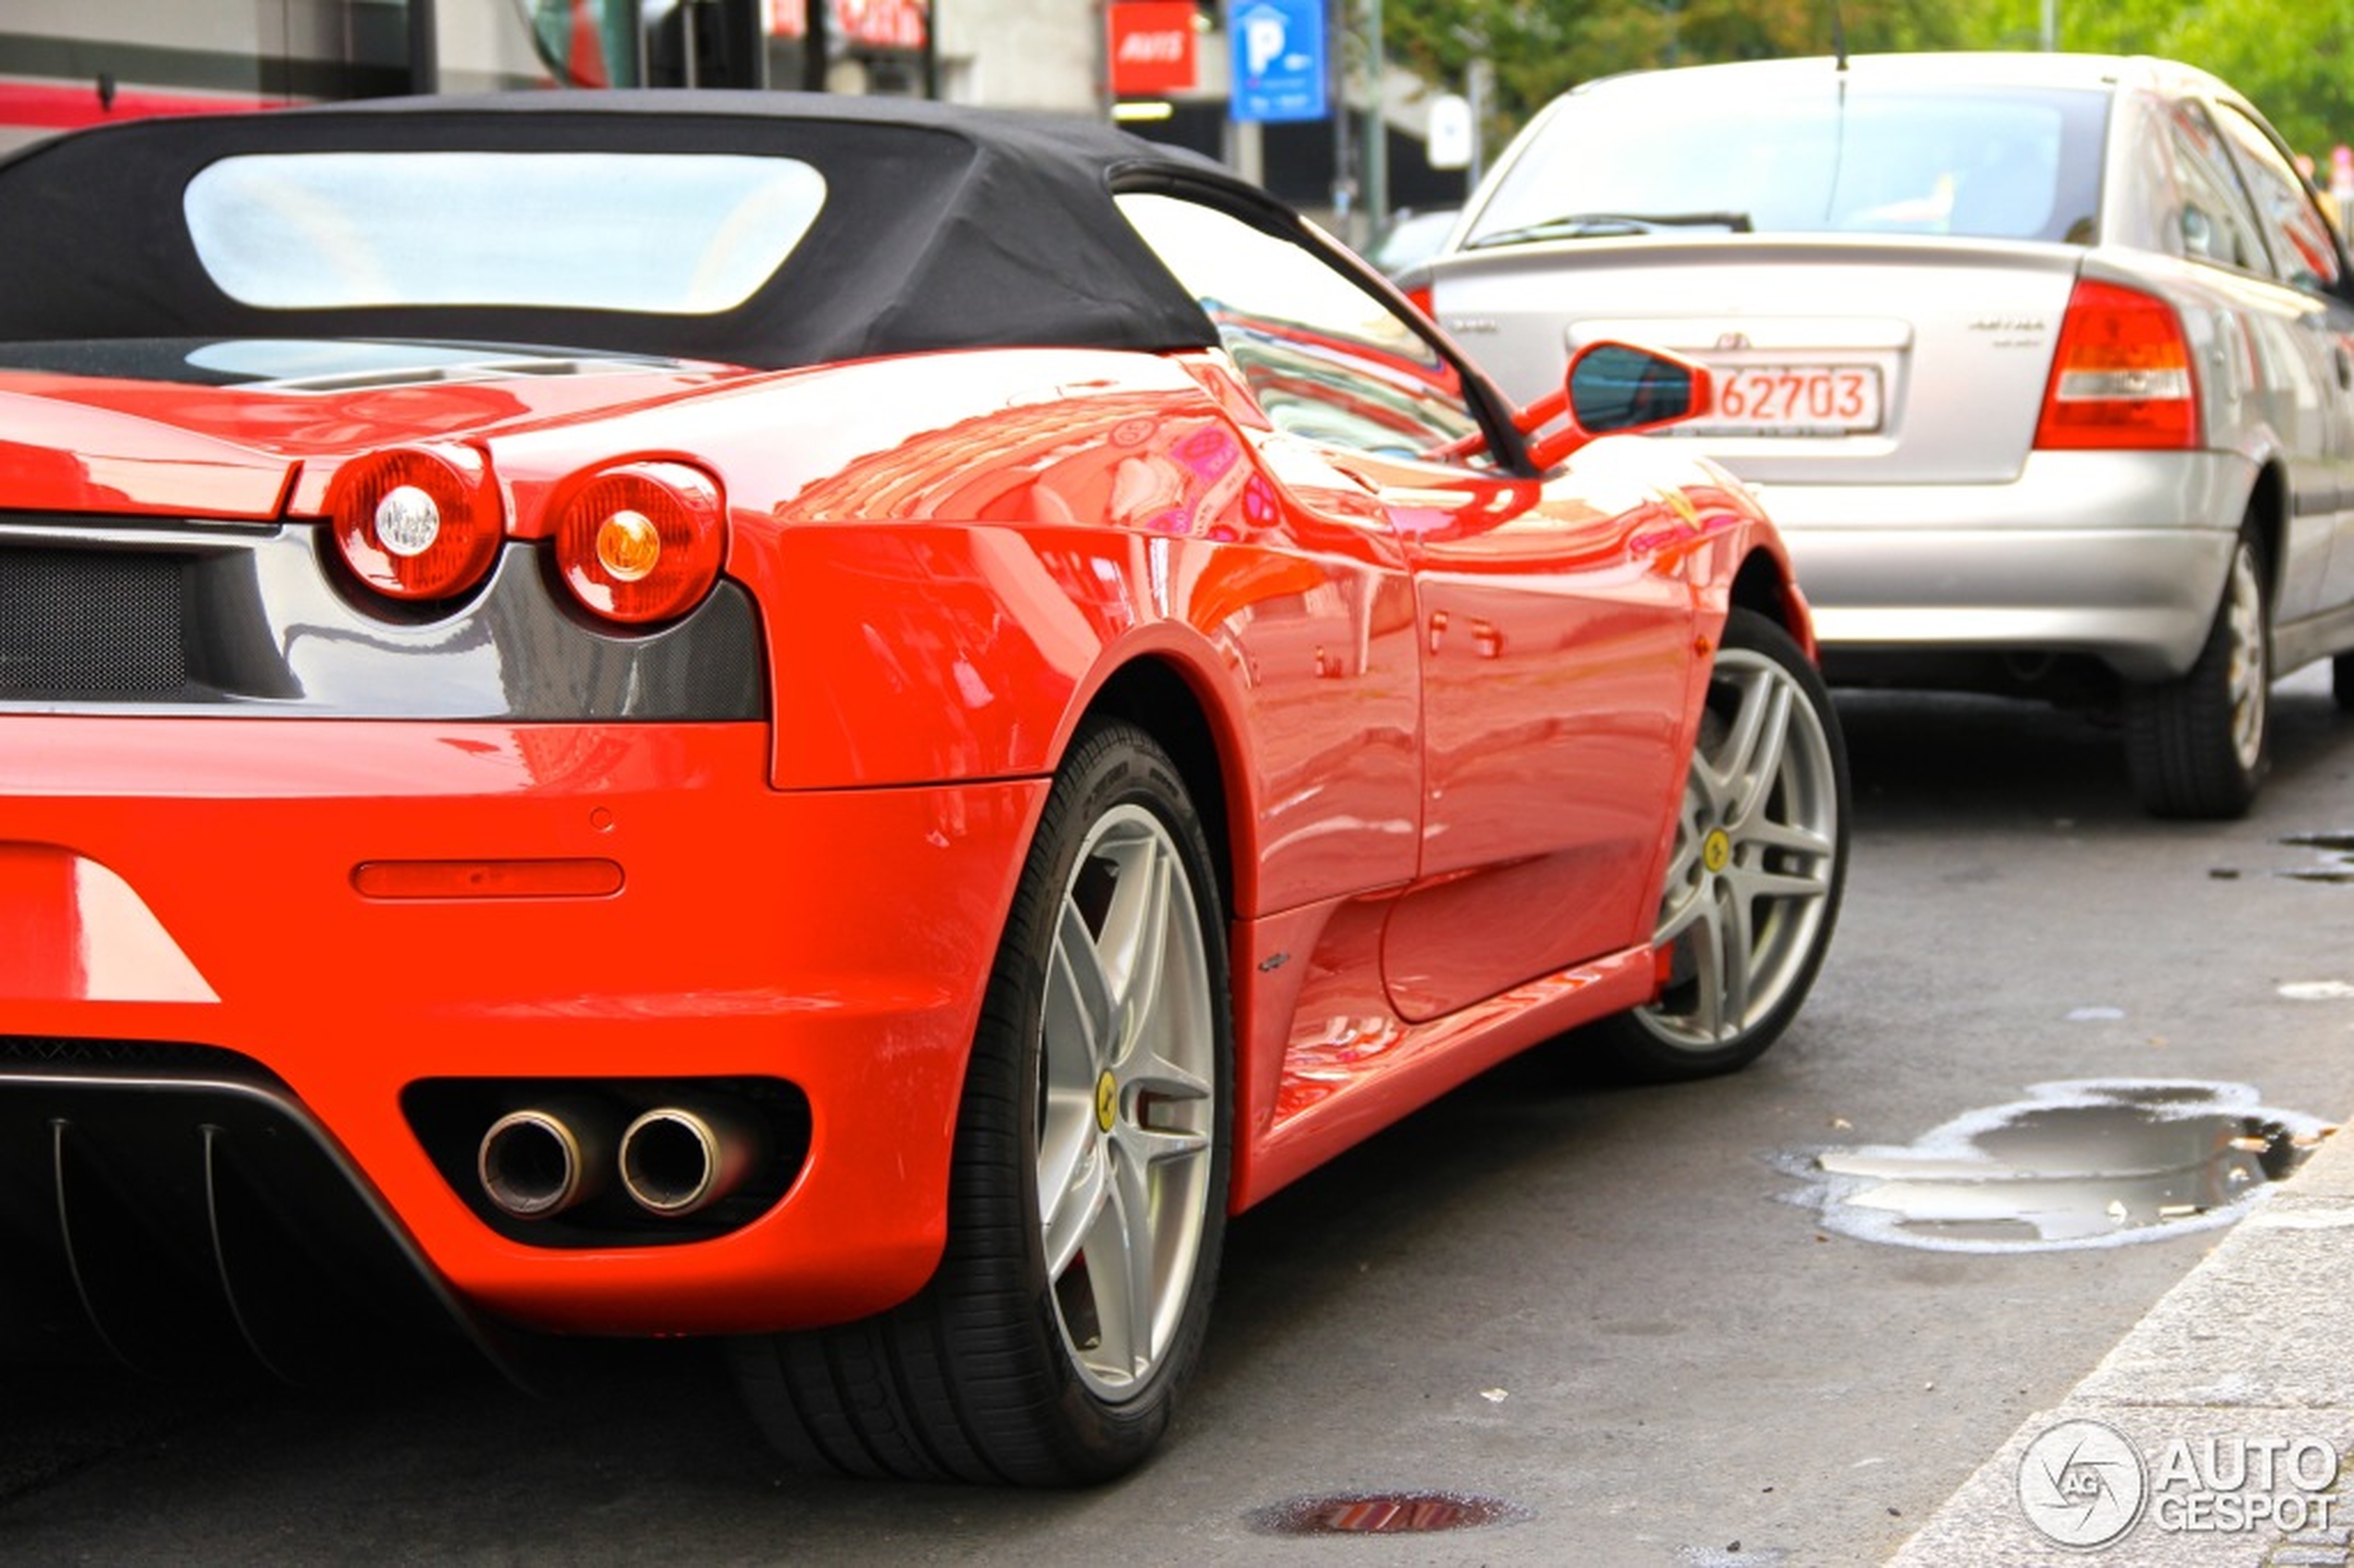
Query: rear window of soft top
[664, 233]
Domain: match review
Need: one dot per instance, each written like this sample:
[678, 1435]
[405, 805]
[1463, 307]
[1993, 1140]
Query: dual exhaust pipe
[672, 1161]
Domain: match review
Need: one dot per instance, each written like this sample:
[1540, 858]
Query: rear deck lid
[63, 456]
[1875, 261]
[219, 429]
[1882, 361]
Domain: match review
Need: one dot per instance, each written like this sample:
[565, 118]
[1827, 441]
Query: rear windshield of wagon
[663, 234]
[1810, 156]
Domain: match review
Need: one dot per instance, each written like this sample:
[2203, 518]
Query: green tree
[1540, 48]
[2293, 58]
[2290, 59]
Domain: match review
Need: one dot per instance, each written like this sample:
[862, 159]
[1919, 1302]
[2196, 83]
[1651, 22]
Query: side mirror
[1615, 388]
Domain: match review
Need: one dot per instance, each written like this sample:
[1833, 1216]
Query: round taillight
[417, 522]
[643, 542]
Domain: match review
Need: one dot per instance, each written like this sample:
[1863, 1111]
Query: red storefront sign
[860, 24]
[882, 24]
[1152, 47]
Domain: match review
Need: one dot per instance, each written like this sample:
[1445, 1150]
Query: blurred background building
[1163, 67]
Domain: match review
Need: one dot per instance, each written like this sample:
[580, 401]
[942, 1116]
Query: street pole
[1344, 155]
[425, 49]
[1479, 79]
[931, 46]
[1376, 124]
[816, 45]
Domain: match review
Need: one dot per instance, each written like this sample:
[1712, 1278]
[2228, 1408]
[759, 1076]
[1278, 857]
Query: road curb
[2242, 1368]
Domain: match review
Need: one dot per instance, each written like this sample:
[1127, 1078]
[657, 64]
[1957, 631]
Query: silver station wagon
[2045, 364]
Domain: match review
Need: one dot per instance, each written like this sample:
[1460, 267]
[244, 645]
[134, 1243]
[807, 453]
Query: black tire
[2199, 747]
[2342, 681]
[1009, 1366]
[1754, 883]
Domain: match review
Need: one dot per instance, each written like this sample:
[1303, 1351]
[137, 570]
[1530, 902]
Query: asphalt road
[1598, 1307]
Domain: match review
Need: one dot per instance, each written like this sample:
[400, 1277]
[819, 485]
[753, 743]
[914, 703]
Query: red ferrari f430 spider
[834, 726]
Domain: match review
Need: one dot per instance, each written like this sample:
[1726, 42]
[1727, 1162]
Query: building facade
[71, 63]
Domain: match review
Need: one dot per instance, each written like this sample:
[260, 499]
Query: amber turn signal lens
[643, 542]
[417, 522]
[628, 546]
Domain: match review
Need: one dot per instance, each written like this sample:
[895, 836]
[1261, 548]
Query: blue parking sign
[1279, 58]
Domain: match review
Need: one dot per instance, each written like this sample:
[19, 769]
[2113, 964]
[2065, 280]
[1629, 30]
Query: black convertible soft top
[941, 228]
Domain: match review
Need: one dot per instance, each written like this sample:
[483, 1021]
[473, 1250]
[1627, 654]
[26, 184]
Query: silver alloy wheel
[1126, 1101]
[1750, 881]
[2248, 676]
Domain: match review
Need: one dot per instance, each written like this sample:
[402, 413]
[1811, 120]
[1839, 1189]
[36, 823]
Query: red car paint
[1441, 701]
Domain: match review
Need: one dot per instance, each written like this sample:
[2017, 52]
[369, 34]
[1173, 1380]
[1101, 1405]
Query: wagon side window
[2215, 223]
[1329, 360]
[2304, 250]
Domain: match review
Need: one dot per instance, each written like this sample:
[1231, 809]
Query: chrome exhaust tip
[537, 1162]
[677, 1159]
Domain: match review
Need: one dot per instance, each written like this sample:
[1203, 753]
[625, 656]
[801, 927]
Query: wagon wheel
[2200, 746]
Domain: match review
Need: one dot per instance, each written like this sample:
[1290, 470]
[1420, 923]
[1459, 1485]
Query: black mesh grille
[33, 1050]
[215, 617]
[90, 624]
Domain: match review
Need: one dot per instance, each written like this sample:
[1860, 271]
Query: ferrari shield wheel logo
[1107, 1100]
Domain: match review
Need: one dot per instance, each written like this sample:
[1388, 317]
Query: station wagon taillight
[2121, 376]
[418, 523]
[643, 542]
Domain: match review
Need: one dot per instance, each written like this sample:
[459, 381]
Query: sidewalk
[2236, 1393]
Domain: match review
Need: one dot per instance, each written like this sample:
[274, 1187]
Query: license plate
[1815, 399]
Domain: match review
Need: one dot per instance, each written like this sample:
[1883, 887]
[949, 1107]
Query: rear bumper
[178, 889]
[174, 1208]
[2118, 556]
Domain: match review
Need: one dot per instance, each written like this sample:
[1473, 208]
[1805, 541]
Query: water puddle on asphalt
[1385, 1513]
[2096, 1162]
[2338, 865]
